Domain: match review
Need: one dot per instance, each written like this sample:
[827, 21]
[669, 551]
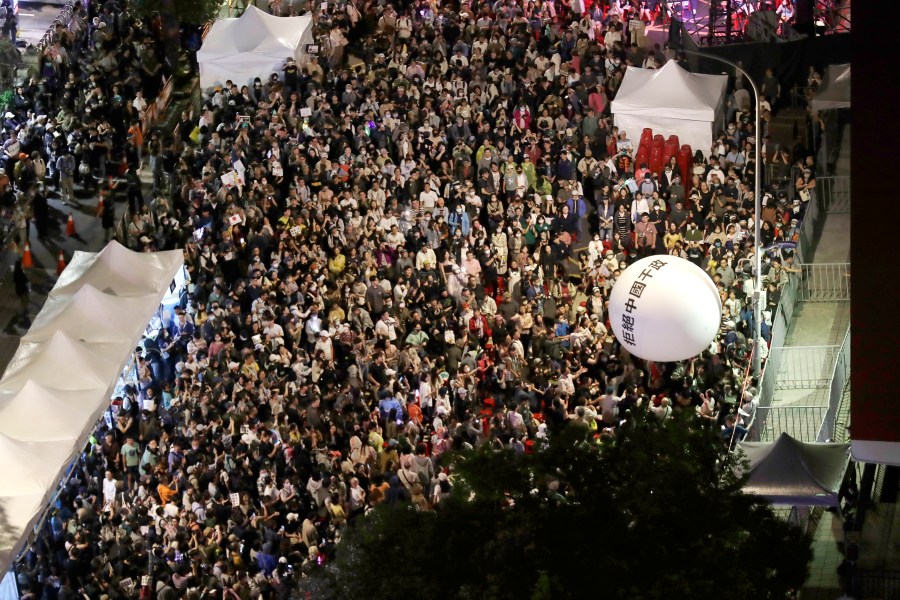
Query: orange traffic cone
[100, 204]
[60, 263]
[70, 225]
[27, 260]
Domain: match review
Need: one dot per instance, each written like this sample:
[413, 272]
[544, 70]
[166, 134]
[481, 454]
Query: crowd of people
[390, 259]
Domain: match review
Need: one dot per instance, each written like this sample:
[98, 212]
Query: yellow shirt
[337, 263]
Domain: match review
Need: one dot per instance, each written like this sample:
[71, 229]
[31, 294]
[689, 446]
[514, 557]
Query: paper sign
[306, 112]
[230, 179]
[127, 585]
[238, 166]
[295, 230]
[145, 580]
[235, 499]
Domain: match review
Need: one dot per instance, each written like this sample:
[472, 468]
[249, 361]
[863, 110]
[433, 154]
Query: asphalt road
[35, 18]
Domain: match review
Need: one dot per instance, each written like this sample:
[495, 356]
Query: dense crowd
[387, 262]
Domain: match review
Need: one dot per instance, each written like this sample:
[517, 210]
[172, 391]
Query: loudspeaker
[783, 132]
[762, 27]
[784, 128]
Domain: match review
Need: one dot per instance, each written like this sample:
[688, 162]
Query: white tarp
[62, 410]
[90, 313]
[671, 101]
[63, 363]
[119, 271]
[256, 44]
[60, 380]
[834, 92]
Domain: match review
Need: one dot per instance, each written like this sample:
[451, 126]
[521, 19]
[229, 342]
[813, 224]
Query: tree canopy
[655, 512]
[196, 12]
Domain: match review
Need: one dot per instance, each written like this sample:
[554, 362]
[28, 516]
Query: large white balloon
[664, 308]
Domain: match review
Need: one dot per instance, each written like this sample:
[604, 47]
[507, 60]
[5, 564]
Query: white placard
[127, 585]
[230, 179]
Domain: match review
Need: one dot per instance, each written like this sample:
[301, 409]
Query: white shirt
[109, 490]
[428, 199]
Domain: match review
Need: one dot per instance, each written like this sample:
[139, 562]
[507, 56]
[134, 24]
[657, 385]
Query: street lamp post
[757, 217]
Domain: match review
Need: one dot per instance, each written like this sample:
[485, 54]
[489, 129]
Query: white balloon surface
[665, 308]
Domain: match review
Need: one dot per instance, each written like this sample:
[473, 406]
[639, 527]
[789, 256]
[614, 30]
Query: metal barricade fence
[800, 422]
[834, 194]
[780, 322]
[804, 367]
[824, 282]
[840, 374]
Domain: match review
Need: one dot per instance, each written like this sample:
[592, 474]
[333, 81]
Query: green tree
[656, 512]
[195, 12]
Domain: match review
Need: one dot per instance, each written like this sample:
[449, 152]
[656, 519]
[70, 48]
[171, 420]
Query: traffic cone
[100, 204]
[27, 260]
[70, 225]
[60, 263]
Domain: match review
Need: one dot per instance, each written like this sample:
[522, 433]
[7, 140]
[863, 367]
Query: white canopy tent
[834, 92]
[90, 313]
[60, 380]
[671, 101]
[256, 44]
[61, 410]
[794, 473]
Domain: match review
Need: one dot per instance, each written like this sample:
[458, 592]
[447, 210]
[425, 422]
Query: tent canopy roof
[60, 411]
[63, 373]
[835, 89]
[90, 313]
[670, 91]
[254, 32]
[119, 271]
[795, 473]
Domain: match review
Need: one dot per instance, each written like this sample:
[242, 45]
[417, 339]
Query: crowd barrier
[824, 282]
[815, 283]
[803, 367]
[803, 422]
[64, 19]
[840, 375]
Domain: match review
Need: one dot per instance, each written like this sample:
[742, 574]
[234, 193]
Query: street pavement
[34, 19]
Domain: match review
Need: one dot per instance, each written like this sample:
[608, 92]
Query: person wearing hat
[24, 173]
[805, 185]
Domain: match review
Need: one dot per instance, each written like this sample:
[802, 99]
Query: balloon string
[740, 398]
